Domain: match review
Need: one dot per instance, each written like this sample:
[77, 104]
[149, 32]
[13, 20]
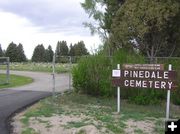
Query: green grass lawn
[100, 112]
[38, 67]
[15, 80]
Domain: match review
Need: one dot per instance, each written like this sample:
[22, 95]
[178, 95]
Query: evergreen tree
[49, 54]
[12, 52]
[1, 51]
[21, 56]
[80, 49]
[39, 54]
[71, 50]
[57, 51]
[62, 48]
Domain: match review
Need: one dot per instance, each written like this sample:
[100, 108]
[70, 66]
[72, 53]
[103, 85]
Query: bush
[92, 75]
[145, 97]
[176, 97]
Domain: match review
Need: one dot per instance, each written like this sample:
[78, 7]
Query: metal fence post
[118, 94]
[53, 74]
[7, 72]
[168, 97]
[70, 64]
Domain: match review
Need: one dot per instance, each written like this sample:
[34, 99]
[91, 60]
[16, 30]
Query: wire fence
[64, 64]
[4, 79]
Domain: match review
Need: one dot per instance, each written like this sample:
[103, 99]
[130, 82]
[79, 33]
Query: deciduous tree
[102, 13]
[145, 25]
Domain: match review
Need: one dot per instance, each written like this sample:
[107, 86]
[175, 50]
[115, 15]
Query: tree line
[41, 54]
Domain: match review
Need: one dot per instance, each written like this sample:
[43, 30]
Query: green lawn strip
[101, 110]
[15, 80]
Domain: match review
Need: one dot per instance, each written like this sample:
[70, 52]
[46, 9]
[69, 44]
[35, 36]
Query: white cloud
[48, 13]
[21, 29]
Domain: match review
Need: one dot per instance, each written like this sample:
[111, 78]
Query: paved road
[14, 99]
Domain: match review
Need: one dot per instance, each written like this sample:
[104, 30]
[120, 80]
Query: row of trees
[15, 52]
[78, 49]
[40, 54]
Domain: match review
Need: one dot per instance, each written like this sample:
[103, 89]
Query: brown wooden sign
[145, 76]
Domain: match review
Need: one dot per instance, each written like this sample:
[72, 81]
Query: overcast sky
[33, 22]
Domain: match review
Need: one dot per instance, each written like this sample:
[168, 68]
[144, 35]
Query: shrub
[92, 76]
[145, 97]
[176, 97]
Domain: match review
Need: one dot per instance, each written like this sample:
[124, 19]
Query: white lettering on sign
[138, 84]
[126, 83]
[146, 74]
[141, 74]
[144, 85]
[166, 75]
[156, 84]
[153, 75]
[126, 73]
[163, 85]
[158, 76]
[135, 73]
[170, 85]
[131, 83]
[148, 84]
[144, 66]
